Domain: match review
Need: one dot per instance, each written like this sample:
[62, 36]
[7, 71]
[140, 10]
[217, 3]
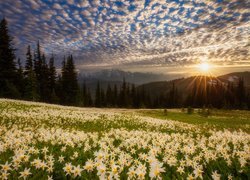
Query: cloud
[141, 32]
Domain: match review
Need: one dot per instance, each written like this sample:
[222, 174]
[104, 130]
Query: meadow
[42, 141]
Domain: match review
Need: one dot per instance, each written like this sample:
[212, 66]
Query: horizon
[160, 37]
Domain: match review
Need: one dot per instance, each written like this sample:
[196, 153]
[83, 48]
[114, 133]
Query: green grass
[230, 119]
[111, 133]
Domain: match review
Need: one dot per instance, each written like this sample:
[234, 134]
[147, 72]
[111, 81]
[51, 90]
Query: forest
[39, 81]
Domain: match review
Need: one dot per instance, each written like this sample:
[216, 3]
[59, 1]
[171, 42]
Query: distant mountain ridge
[114, 75]
[186, 84]
[234, 77]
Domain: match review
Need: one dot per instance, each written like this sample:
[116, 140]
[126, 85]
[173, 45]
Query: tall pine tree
[30, 85]
[8, 73]
[69, 82]
[52, 81]
[98, 95]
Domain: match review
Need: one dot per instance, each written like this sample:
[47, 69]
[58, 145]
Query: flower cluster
[55, 147]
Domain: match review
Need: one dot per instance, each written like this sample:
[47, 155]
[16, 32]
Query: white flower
[198, 172]
[68, 168]
[101, 169]
[131, 172]
[6, 167]
[215, 175]
[156, 169]
[89, 165]
[77, 171]
[25, 173]
[61, 159]
[4, 175]
[45, 150]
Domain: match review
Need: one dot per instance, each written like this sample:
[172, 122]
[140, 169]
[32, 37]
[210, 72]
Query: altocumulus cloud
[134, 32]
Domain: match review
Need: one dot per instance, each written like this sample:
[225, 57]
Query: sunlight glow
[204, 67]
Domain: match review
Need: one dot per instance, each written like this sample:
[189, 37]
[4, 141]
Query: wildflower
[4, 175]
[190, 177]
[63, 149]
[6, 167]
[156, 169]
[215, 175]
[131, 172]
[77, 171]
[61, 159]
[180, 170]
[68, 168]
[45, 150]
[198, 172]
[229, 177]
[89, 165]
[101, 169]
[25, 173]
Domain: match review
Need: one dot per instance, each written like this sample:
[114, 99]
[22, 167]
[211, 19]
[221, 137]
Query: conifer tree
[8, 74]
[89, 98]
[20, 74]
[38, 69]
[29, 63]
[84, 94]
[52, 81]
[109, 96]
[44, 80]
[241, 93]
[30, 85]
[133, 96]
[103, 98]
[115, 96]
[69, 82]
[98, 95]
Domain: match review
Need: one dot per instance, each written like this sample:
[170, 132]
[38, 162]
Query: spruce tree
[30, 85]
[89, 99]
[103, 98]
[20, 82]
[29, 63]
[109, 96]
[69, 82]
[38, 69]
[241, 93]
[52, 81]
[44, 83]
[134, 96]
[8, 74]
[84, 94]
[98, 95]
[115, 96]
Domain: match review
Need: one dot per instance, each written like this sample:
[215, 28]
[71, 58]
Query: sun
[204, 67]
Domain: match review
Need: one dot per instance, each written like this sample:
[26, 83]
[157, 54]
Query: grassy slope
[233, 119]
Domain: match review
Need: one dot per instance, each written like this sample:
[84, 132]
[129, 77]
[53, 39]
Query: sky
[157, 36]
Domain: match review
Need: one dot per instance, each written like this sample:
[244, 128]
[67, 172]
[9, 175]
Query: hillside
[184, 85]
[43, 141]
[234, 77]
[115, 75]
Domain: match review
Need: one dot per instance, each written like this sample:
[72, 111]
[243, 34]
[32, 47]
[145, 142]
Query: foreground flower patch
[64, 143]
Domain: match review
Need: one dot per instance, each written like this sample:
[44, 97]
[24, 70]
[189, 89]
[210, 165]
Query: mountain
[118, 76]
[185, 85]
[235, 76]
[152, 86]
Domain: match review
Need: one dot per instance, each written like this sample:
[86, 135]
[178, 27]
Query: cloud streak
[134, 32]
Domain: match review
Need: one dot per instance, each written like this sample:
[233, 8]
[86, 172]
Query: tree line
[39, 81]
